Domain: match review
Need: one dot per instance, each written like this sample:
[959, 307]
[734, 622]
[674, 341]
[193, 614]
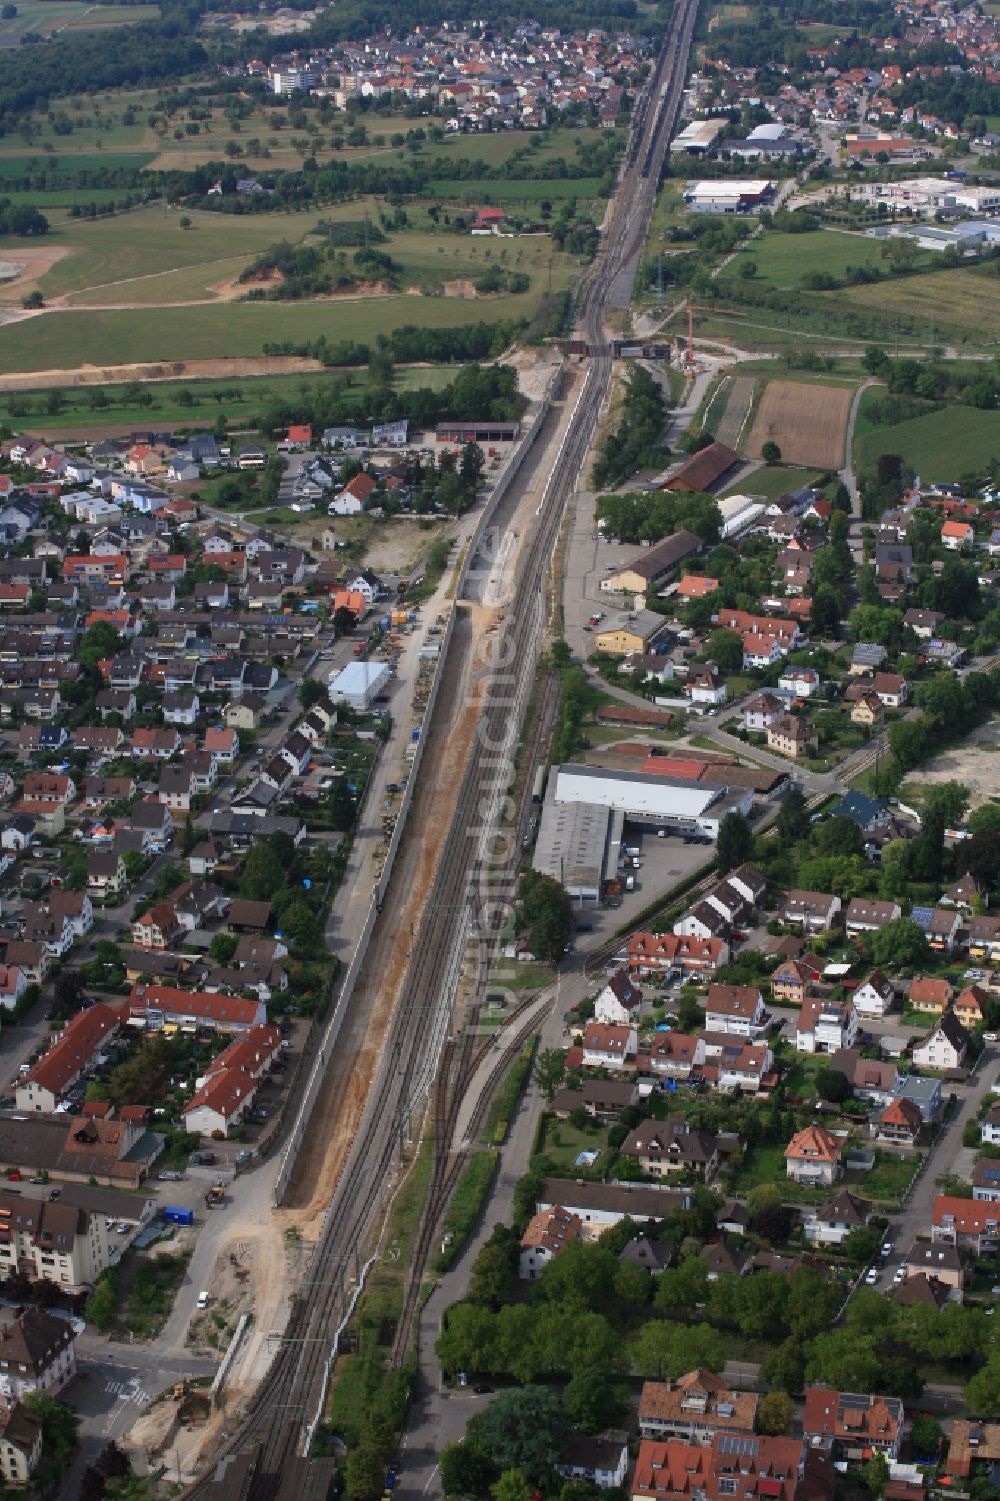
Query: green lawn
[773, 480]
[562, 1143]
[761, 1165]
[940, 445]
[888, 1179]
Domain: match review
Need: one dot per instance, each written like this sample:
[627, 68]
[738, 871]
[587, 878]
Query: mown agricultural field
[47, 17]
[63, 339]
[808, 422]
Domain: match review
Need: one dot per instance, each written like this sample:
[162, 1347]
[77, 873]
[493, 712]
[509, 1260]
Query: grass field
[526, 190]
[85, 161]
[50, 16]
[62, 340]
[960, 306]
[148, 241]
[240, 400]
[147, 258]
[782, 260]
[939, 445]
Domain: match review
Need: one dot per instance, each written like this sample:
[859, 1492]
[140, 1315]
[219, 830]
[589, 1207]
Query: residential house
[813, 1156]
[945, 1047]
[739, 1466]
[941, 1259]
[106, 876]
[695, 1407]
[989, 1127]
[790, 982]
[984, 938]
[986, 1180]
[37, 1354]
[158, 928]
[546, 1234]
[867, 711]
[762, 711]
[930, 995]
[164, 1005]
[925, 1093]
[738, 1010]
[72, 1051]
[957, 534]
[20, 1444]
[740, 1067]
[792, 736]
[864, 915]
[175, 788]
[13, 984]
[892, 690]
[942, 929]
[825, 1026]
[609, 1047]
[602, 1099]
[52, 1242]
[853, 1425]
[673, 1055]
[831, 1223]
[814, 911]
[970, 1224]
[875, 996]
[596, 1459]
[970, 1007]
[619, 1001]
[226, 1091]
[662, 1148]
[899, 1124]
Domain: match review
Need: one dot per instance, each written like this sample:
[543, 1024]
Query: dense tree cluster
[637, 440]
[640, 516]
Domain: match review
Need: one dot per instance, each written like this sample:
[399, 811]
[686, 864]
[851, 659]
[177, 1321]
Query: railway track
[264, 1459]
[460, 1062]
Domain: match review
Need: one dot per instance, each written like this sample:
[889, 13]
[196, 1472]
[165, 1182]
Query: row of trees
[409, 344]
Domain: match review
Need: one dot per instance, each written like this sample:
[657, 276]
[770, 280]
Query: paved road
[915, 1219]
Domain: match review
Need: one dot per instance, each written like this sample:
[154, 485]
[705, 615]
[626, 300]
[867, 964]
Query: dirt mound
[101, 375]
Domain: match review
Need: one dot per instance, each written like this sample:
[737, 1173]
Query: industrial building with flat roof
[358, 684]
[698, 137]
[578, 845]
[647, 798]
[729, 195]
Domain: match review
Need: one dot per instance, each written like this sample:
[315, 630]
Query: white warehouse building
[739, 513]
[653, 800]
[358, 684]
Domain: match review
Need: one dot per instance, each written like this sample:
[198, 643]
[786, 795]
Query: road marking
[429, 1480]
